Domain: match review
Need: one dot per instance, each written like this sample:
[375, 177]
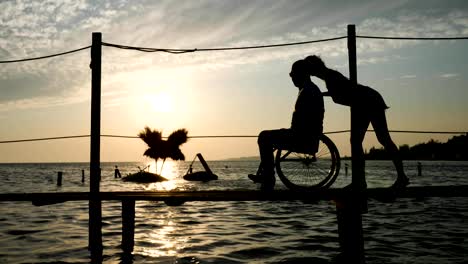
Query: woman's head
[315, 65]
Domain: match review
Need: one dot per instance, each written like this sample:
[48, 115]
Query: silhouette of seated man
[306, 126]
[368, 108]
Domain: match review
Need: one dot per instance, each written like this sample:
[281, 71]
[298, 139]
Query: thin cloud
[43, 102]
[410, 76]
[449, 75]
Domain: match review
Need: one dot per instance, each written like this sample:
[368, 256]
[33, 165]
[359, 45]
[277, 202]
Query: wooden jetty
[347, 231]
[378, 194]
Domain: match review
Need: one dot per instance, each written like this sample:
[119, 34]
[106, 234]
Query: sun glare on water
[169, 171]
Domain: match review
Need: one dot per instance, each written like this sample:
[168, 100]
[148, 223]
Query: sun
[160, 103]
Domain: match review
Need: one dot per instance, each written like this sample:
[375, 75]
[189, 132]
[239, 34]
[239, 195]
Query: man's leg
[361, 122]
[267, 140]
[265, 144]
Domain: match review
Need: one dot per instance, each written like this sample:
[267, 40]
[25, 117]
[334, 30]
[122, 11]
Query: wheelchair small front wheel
[308, 171]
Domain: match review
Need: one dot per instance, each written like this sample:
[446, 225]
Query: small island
[144, 177]
[159, 149]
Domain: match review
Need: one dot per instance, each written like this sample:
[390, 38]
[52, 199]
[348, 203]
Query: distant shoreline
[248, 158]
[349, 158]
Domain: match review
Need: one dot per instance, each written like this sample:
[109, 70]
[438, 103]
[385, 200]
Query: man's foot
[400, 183]
[268, 182]
[256, 178]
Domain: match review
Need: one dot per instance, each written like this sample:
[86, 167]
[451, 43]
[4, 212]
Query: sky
[425, 83]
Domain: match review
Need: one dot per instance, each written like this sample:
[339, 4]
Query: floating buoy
[200, 176]
[204, 176]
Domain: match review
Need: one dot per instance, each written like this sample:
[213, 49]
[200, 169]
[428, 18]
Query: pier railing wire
[411, 38]
[46, 56]
[180, 51]
[223, 136]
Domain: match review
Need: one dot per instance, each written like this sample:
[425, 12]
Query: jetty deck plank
[237, 195]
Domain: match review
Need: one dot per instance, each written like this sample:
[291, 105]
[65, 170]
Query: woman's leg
[361, 122]
[379, 122]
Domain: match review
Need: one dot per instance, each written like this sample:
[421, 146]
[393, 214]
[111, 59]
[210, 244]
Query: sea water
[429, 230]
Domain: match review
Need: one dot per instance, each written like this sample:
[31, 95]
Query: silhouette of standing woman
[369, 106]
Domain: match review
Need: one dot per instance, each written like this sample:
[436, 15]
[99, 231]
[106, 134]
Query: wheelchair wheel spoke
[300, 170]
[285, 155]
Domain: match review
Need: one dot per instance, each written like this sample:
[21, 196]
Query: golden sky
[219, 93]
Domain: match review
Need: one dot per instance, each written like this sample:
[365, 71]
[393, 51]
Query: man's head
[315, 65]
[299, 74]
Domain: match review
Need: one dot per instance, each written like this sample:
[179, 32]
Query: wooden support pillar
[350, 230]
[95, 210]
[353, 203]
[357, 155]
[128, 225]
[59, 178]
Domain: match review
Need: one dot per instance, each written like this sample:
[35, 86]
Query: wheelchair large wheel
[309, 171]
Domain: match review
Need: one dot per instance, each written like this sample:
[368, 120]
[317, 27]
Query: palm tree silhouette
[163, 149]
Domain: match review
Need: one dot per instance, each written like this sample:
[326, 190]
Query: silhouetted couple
[307, 119]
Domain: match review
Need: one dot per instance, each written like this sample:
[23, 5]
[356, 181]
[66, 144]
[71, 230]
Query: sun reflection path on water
[161, 241]
[172, 171]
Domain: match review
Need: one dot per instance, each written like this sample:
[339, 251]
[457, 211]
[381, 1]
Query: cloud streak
[449, 75]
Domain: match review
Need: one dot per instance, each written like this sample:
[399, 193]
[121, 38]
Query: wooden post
[128, 225]
[82, 176]
[353, 203]
[59, 178]
[95, 213]
[357, 157]
[350, 230]
[419, 169]
[358, 177]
